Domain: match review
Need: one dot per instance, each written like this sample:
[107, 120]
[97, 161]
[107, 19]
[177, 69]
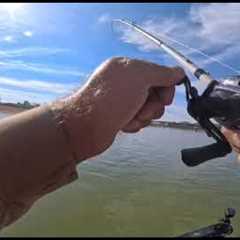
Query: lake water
[3, 115]
[139, 187]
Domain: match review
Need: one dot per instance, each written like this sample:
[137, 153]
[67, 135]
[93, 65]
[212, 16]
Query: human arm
[40, 148]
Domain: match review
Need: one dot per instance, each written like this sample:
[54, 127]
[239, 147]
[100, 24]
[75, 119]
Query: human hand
[122, 94]
[233, 137]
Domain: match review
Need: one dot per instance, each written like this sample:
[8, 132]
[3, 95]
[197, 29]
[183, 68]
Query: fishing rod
[193, 68]
[218, 105]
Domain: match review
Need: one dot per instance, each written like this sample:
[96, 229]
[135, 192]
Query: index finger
[167, 76]
[157, 75]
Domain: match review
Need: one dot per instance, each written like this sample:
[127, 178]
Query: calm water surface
[139, 187]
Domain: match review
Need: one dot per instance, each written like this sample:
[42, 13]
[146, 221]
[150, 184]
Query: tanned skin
[40, 148]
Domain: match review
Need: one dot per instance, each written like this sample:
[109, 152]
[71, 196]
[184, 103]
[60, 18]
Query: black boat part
[221, 229]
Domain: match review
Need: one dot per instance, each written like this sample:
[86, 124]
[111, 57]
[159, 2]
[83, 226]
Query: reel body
[219, 105]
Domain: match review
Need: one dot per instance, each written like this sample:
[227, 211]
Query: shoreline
[11, 109]
[180, 128]
[177, 125]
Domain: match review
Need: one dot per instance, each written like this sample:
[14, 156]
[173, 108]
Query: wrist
[82, 127]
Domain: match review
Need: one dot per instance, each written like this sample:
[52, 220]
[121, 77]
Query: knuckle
[118, 60]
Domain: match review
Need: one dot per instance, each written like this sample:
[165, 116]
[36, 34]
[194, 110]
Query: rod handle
[195, 156]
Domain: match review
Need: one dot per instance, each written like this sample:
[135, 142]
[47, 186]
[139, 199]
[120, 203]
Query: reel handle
[195, 156]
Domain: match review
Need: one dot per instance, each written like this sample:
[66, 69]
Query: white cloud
[40, 68]
[210, 27]
[36, 85]
[8, 63]
[32, 51]
[28, 34]
[219, 22]
[8, 38]
[160, 27]
[20, 95]
[104, 18]
[222, 58]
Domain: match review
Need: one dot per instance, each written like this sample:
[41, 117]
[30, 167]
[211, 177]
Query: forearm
[35, 158]
[40, 148]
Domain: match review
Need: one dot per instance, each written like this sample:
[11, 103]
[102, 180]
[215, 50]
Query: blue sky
[48, 50]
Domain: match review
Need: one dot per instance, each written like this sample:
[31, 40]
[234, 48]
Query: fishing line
[203, 54]
[214, 59]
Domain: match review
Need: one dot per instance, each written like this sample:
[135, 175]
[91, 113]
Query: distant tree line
[181, 125]
[25, 104]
